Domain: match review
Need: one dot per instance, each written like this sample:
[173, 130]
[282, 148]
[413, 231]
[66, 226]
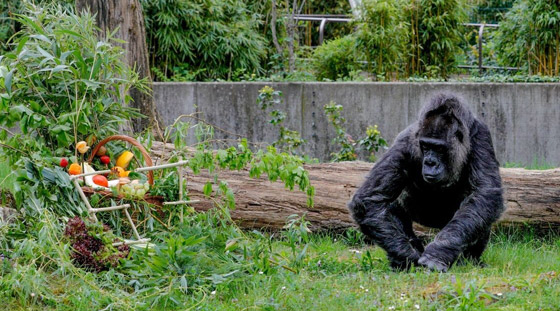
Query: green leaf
[207, 190]
[21, 44]
[8, 81]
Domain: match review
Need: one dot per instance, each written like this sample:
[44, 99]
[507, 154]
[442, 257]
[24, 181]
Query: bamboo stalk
[180, 202]
[132, 224]
[110, 208]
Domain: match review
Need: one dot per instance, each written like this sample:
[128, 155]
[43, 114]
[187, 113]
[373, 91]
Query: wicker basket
[157, 200]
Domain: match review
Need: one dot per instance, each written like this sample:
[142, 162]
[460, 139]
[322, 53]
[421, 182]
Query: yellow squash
[124, 159]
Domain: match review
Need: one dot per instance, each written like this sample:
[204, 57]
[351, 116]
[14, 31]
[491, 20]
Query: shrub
[435, 33]
[529, 37]
[61, 84]
[381, 36]
[210, 38]
[336, 59]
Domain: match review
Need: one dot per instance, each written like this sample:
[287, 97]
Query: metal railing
[324, 19]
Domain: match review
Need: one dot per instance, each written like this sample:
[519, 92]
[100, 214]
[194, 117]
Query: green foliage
[336, 59]
[470, 296]
[372, 142]
[529, 37]
[60, 84]
[424, 35]
[296, 234]
[489, 11]
[348, 146]
[310, 35]
[288, 140]
[203, 39]
[382, 36]
[435, 33]
[7, 25]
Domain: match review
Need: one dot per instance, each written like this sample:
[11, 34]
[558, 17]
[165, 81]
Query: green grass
[522, 273]
[536, 164]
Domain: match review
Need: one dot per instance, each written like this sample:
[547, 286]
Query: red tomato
[100, 180]
[105, 159]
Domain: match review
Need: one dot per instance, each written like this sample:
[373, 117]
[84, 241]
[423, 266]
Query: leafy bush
[529, 37]
[288, 140]
[435, 31]
[336, 59]
[61, 84]
[381, 36]
[206, 39]
[349, 148]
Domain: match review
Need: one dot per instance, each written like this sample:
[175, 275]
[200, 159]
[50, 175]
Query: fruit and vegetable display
[121, 179]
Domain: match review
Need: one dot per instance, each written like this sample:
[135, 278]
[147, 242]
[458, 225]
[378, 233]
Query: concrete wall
[524, 118]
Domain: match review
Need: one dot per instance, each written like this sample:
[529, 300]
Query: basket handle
[131, 141]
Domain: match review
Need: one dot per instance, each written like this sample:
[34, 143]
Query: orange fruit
[75, 169]
[100, 180]
[119, 171]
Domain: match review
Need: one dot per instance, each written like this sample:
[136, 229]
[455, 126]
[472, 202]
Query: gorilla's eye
[433, 144]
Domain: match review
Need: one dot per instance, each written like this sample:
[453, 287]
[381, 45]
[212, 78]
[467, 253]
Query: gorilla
[441, 172]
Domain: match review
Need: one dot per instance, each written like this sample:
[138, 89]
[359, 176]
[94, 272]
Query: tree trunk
[530, 196]
[127, 17]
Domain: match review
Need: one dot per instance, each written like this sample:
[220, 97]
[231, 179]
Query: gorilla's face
[435, 160]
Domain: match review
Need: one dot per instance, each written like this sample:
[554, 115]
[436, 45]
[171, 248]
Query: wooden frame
[93, 211]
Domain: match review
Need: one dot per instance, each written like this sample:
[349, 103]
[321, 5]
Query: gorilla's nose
[429, 162]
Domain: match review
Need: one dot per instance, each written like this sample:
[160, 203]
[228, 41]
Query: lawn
[339, 272]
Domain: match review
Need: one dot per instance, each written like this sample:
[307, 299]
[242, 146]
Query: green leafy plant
[296, 234]
[202, 40]
[435, 32]
[529, 37]
[469, 296]
[61, 84]
[371, 143]
[288, 140]
[336, 59]
[381, 35]
[347, 145]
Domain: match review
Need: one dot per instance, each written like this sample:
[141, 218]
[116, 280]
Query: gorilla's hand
[431, 261]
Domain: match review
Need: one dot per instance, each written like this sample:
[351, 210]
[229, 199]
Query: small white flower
[32, 295]
[417, 307]
[499, 294]
[361, 287]
[367, 290]
[260, 272]
[392, 308]
[283, 287]
[213, 292]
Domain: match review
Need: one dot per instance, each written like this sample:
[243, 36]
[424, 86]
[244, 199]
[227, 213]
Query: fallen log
[531, 196]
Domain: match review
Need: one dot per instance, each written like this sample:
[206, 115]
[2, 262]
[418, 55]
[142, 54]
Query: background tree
[126, 18]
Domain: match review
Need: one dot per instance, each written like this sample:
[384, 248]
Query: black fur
[463, 202]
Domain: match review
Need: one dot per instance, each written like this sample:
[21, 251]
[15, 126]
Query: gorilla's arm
[477, 211]
[376, 210]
